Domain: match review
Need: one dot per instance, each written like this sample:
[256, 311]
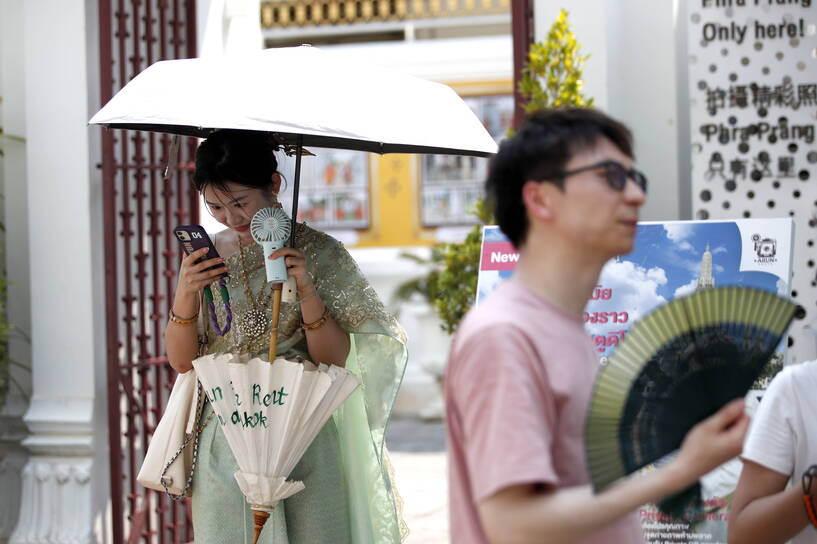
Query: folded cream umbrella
[270, 414]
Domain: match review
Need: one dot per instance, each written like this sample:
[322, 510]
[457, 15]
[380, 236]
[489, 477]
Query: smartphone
[193, 238]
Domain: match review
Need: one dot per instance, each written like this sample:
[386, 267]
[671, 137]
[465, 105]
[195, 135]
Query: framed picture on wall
[334, 192]
[450, 185]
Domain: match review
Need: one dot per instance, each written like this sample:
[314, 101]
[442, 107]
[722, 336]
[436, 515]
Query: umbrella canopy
[322, 96]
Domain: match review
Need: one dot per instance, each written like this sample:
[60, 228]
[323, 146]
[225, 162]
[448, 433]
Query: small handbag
[171, 457]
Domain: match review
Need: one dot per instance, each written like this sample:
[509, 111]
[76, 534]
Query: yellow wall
[395, 188]
[395, 210]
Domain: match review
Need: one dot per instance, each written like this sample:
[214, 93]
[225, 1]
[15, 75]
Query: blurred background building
[88, 257]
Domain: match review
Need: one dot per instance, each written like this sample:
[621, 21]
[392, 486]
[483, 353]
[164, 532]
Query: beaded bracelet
[808, 500]
[320, 322]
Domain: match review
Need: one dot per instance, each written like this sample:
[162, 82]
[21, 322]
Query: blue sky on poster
[664, 264]
[677, 249]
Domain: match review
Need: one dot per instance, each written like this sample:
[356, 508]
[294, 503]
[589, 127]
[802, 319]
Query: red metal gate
[141, 259]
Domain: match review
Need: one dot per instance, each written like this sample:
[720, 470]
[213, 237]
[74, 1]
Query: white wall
[631, 74]
[642, 91]
[59, 203]
[487, 58]
[101, 501]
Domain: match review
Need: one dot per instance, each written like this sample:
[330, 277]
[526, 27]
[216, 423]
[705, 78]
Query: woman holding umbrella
[336, 319]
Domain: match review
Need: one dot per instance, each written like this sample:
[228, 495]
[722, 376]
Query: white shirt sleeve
[770, 441]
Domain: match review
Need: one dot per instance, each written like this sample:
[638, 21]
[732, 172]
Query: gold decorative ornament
[252, 324]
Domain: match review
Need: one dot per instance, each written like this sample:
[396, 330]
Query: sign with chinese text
[752, 86]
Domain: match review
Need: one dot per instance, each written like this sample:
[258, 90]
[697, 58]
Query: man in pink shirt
[521, 367]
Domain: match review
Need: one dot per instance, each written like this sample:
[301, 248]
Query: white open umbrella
[302, 96]
[322, 96]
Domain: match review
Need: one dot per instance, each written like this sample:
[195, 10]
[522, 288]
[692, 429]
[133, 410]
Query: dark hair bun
[245, 157]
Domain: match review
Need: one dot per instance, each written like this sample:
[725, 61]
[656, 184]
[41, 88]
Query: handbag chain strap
[187, 438]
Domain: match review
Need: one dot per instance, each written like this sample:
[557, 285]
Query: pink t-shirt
[517, 388]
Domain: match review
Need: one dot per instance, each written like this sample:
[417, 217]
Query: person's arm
[181, 340]
[763, 511]
[527, 513]
[327, 342]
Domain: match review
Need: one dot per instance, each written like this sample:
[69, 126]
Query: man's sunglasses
[616, 174]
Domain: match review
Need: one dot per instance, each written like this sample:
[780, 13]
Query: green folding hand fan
[675, 367]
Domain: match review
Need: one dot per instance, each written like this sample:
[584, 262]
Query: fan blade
[675, 367]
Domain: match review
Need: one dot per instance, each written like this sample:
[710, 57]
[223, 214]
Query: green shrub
[552, 77]
[457, 267]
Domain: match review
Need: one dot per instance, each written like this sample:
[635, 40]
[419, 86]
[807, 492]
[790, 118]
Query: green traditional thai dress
[349, 495]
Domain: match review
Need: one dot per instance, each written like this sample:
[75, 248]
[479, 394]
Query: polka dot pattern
[753, 118]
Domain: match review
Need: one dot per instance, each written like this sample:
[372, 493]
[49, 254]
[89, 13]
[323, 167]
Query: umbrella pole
[276, 316]
[276, 294]
[299, 147]
[259, 518]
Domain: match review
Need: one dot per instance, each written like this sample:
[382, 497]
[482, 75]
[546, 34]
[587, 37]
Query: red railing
[141, 259]
[523, 37]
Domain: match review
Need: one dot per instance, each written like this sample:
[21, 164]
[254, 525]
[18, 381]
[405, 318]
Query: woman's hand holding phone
[194, 276]
[195, 273]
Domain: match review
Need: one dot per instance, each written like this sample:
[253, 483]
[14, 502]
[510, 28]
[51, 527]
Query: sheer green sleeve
[378, 357]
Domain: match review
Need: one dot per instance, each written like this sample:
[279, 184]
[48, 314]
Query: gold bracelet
[320, 322]
[181, 320]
